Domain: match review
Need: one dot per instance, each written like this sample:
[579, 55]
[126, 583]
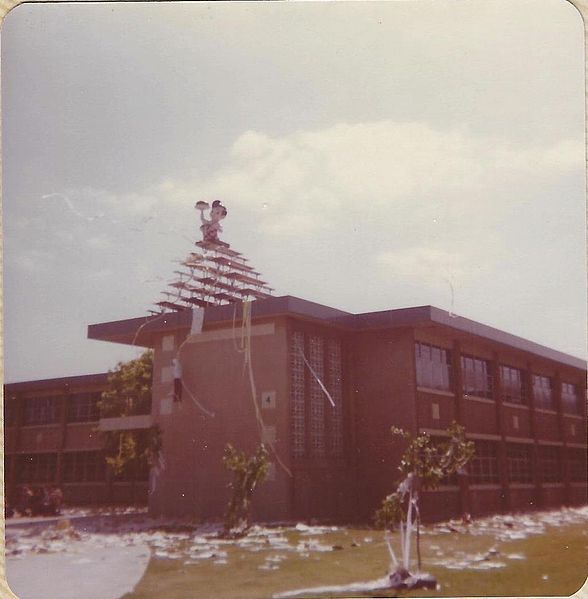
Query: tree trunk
[418, 541]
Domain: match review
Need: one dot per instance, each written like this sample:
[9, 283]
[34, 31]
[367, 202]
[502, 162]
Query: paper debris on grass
[174, 537]
[312, 545]
[305, 529]
[354, 587]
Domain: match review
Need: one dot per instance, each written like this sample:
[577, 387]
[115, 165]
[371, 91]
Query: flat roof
[433, 315]
[82, 380]
[141, 331]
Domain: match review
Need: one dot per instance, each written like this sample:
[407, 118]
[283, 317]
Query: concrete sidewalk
[84, 572]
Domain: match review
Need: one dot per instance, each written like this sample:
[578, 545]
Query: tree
[128, 393]
[423, 466]
[129, 388]
[248, 472]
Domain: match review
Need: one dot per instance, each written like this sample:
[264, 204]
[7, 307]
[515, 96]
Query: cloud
[411, 200]
[418, 199]
[407, 166]
[410, 213]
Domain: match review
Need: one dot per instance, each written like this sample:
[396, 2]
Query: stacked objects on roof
[214, 276]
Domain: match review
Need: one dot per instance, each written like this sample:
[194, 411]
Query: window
[37, 468]
[476, 377]
[336, 391]
[317, 397]
[550, 464]
[542, 392]
[512, 385]
[9, 412]
[297, 406]
[483, 467]
[132, 472]
[577, 465]
[42, 410]
[519, 463]
[570, 399]
[8, 461]
[433, 367]
[316, 427]
[441, 445]
[83, 407]
[83, 466]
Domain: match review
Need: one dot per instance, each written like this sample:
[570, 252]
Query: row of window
[434, 371]
[484, 466]
[316, 425]
[77, 467]
[81, 407]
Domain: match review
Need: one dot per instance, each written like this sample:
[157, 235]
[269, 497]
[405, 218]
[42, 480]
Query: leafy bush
[248, 472]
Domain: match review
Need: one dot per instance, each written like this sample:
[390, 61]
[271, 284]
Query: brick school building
[322, 387]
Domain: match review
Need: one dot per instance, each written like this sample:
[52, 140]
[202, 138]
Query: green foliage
[427, 464]
[390, 513]
[248, 472]
[132, 450]
[129, 388]
[431, 462]
[129, 393]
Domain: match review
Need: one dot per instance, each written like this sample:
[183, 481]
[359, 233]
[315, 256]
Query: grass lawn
[553, 563]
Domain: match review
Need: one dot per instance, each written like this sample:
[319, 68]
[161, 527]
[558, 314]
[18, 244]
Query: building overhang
[60, 384]
[144, 331]
[431, 316]
[125, 423]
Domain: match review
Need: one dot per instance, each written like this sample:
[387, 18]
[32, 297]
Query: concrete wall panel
[83, 437]
[40, 438]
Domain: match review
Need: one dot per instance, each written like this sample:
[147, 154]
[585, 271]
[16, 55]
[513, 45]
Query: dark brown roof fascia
[487, 332]
[139, 331]
[125, 331]
[83, 380]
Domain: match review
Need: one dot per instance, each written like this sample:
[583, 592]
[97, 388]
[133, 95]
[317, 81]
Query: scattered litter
[313, 545]
[305, 529]
[177, 538]
[202, 555]
[505, 527]
[355, 587]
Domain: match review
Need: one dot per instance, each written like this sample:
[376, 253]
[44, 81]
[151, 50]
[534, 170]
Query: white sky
[372, 155]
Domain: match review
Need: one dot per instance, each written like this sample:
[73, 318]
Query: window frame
[543, 395]
[484, 467]
[433, 373]
[42, 410]
[83, 406]
[84, 466]
[550, 464]
[519, 463]
[478, 381]
[571, 403]
[513, 393]
[576, 459]
[43, 467]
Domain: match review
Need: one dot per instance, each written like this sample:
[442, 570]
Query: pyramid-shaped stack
[213, 275]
